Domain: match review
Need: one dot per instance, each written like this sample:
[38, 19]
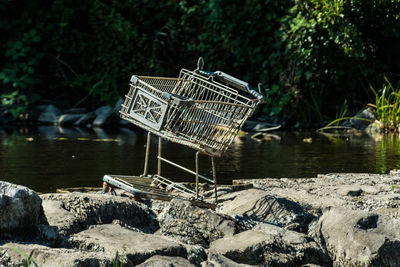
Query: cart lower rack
[199, 109]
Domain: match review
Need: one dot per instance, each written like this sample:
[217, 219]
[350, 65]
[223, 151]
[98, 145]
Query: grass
[387, 104]
[117, 262]
[28, 259]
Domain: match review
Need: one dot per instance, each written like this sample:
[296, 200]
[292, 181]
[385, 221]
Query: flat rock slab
[357, 238]
[271, 246]
[136, 247]
[74, 212]
[379, 193]
[258, 206]
[45, 256]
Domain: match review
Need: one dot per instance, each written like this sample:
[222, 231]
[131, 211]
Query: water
[48, 158]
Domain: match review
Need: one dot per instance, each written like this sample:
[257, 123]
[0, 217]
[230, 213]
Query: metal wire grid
[216, 117]
[208, 126]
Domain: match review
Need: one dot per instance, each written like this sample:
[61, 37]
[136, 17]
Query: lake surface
[47, 158]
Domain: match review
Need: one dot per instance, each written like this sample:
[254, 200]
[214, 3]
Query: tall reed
[387, 103]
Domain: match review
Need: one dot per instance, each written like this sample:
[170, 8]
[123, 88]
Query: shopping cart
[199, 109]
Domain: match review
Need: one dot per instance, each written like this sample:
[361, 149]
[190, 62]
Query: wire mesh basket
[199, 109]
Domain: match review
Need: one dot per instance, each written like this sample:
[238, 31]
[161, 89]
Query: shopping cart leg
[159, 155]
[146, 159]
[197, 174]
[214, 178]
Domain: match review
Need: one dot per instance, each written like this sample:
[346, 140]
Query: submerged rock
[68, 119]
[85, 119]
[356, 238]
[362, 120]
[49, 115]
[105, 116]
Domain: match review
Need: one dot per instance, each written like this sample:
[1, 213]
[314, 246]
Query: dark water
[48, 158]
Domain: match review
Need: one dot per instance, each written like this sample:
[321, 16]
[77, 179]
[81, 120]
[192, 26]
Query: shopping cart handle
[238, 84]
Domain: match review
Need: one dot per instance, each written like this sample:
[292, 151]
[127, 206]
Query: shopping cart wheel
[113, 192]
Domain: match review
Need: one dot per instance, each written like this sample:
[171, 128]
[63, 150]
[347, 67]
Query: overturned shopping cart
[199, 109]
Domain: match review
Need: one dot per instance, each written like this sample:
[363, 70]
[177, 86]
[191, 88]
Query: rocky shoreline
[331, 220]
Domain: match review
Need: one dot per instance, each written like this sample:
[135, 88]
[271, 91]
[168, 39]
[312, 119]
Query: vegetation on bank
[387, 105]
[312, 55]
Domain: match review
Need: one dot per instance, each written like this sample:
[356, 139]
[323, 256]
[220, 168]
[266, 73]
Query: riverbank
[334, 219]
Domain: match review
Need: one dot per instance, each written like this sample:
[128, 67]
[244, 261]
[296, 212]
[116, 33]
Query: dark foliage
[311, 55]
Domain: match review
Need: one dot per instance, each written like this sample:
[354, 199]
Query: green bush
[337, 47]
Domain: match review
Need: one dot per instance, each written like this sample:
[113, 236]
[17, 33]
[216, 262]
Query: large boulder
[20, 211]
[357, 238]
[270, 245]
[131, 246]
[193, 225]
[10, 255]
[74, 212]
[254, 206]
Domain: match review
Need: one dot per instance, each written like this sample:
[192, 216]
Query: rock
[69, 119]
[85, 119]
[258, 126]
[45, 256]
[270, 245]
[217, 260]
[379, 192]
[357, 238]
[374, 128]
[47, 235]
[57, 215]
[105, 116]
[193, 225]
[196, 254]
[20, 211]
[75, 111]
[49, 115]
[74, 212]
[350, 190]
[118, 104]
[166, 261]
[100, 133]
[394, 172]
[257, 206]
[361, 121]
[134, 246]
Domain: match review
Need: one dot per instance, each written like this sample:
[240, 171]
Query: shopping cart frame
[199, 109]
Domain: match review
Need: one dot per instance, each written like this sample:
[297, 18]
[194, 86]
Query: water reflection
[47, 157]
